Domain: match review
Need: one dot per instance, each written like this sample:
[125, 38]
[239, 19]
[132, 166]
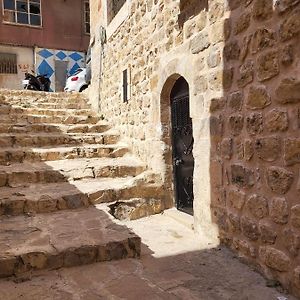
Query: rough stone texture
[250, 228]
[268, 66]
[279, 212]
[154, 42]
[295, 216]
[279, 180]
[275, 259]
[258, 206]
[292, 241]
[236, 198]
[268, 148]
[277, 120]
[288, 91]
[258, 97]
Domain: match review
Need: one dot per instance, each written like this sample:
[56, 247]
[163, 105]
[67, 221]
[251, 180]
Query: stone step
[34, 119]
[29, 154]
[50, 197]
[62, 239]
[25, 174]
[51, 128]
[56, 139]
[8, 109]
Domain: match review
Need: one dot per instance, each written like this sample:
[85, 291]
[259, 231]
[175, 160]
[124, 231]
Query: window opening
[25, 12]
[87, 17]
[8, 63]
[125, 85]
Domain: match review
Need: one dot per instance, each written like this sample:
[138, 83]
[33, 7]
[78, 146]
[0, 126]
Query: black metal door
[182, 140]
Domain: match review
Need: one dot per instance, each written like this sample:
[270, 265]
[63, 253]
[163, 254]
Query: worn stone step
[56, 139]
[62, 239]
[46, 198]
[51, 128]
[8, 109]
[25, 174]
[34, 119]
[29, 154]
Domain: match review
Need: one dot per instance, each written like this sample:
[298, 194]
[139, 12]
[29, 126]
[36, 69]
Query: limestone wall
[255, 138]
[241, 60]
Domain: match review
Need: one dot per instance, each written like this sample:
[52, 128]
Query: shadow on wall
[255, 138]
[190, 8]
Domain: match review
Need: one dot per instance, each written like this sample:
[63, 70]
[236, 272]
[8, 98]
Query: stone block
[214, 57]
[288, 91]
[267, 233]
[258, 97]
[277, 120]
[200, 42]
[278, 208]
[290, 27]
[245, 47]
[267, 65]
[3, 179]
[234, 221]
[242, 177]
[283, 5]
[216, 125]
[244, 247]
[248, 150]
[296, 277]
[236, 124]
[279, 180]
[215, 79]
[227, 148]
[227, 78]
[216, 104]
[246, 73]
[258, 206]
[242, 23]
[262, 9]
[274, 258]
[235, 101]
[221, 219]
[291, 241]
[254, 123]
[200, 84]
[236, 199]
[292, 151]
[250, 228]
[295, 216]
[268, 148]
[261, 39]
[232, 50]
[216, 12]
[287, 55]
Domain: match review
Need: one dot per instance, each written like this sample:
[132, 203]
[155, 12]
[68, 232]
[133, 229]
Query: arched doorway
[182, 142]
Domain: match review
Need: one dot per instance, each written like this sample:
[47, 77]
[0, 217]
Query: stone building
[207, 93]
[48, 37]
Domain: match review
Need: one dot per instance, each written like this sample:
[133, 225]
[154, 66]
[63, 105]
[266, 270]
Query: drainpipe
[102, 42]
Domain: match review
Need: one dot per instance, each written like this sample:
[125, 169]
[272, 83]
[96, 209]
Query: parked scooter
[36, 83]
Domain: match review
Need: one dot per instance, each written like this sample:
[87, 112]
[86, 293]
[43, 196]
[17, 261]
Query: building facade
[207, 93]
[48, 37]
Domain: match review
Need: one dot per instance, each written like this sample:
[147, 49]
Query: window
[26, 12]
[87, 17]
[8, 63]
[126, 85]
[113, 7]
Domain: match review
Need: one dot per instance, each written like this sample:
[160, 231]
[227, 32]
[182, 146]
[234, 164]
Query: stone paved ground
[175, 264]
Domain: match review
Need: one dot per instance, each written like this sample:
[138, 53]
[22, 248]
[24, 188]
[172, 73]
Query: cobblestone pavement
[175, 264]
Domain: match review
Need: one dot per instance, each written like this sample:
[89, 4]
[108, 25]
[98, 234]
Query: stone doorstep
[63, 239]
[181, 217]
[55, 139]
[15, 155]
[45, 198]
[54, 128]
[25, 174]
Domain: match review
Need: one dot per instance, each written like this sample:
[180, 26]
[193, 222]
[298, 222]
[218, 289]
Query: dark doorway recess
[182, 142]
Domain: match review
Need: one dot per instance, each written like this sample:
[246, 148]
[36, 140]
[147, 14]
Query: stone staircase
[57, 160]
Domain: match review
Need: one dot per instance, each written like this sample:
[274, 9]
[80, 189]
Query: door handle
[177, 161]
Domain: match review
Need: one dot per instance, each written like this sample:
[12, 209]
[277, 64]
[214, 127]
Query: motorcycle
[36, 83]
